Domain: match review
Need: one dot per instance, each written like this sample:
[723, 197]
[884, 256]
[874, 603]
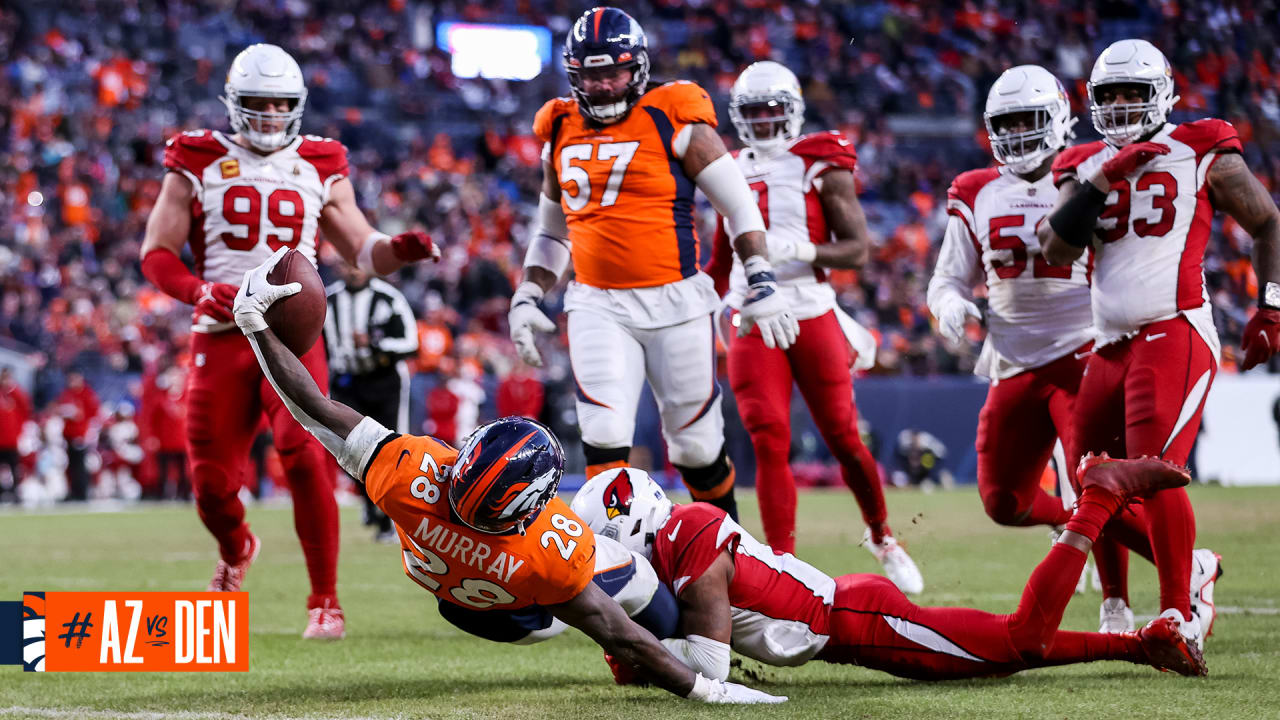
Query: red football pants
[226, 396]
[1144, 396]
[874, 625]
[1022, 418]
[761, 379]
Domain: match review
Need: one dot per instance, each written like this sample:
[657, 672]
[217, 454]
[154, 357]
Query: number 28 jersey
[549, 564]
[1152, 233]
[247, 205]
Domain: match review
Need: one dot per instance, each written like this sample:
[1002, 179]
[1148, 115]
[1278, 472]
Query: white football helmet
[771, 84]
[1137, 62]
[265, 71]
[626, 505]
[1028, 89]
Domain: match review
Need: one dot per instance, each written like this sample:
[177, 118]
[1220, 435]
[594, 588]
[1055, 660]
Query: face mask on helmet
[766, 123]
[603, 45]
[262, 122]
[626, 505]
[1122, 112]
[505, 473]
[1021, 139]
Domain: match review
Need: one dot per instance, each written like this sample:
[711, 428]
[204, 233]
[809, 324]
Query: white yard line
[156, 715]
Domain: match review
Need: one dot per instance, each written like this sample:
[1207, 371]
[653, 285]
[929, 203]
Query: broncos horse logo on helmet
[505, 473]
[606, 37]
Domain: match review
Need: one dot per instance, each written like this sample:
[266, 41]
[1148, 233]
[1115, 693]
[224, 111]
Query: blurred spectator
[15, 411]
[78, 407]
[520, 393]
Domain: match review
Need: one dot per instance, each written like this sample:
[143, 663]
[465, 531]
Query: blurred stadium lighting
[510, 52]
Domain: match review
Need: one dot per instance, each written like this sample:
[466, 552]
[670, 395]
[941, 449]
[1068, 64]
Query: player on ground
[734, 591]
[235, 200]
[805, 188]
[621, 160]
[479, 527]
[1038, 320]
[1144, 199]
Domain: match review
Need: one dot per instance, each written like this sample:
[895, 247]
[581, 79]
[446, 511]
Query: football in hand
[298, 319]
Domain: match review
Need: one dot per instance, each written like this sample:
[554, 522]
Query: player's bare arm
[602, 619]
[360, 244]
[845, 218]
[1236, 191]
[706, 620]
[169, 223]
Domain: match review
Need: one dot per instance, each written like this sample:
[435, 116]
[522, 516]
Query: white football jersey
[249, 205]
[1151, 235]
[786, 186]
[1037, 312]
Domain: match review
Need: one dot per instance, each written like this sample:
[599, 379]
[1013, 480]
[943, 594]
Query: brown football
[298, 319]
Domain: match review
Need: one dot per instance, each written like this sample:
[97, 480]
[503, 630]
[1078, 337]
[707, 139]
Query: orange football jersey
[551, 563]
[626, 199]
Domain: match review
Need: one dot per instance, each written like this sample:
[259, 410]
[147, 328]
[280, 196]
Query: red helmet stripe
[485, 481]
[595, 31]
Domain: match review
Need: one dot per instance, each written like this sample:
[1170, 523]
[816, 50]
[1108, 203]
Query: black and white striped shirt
[378, 311]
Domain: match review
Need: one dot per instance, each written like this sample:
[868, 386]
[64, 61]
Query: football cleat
[1114, 616]
[227, 577]
[1206, 568]
[1190, 628]
[325, 622]
[1168, 650]
[1129, 480]
[898, 565]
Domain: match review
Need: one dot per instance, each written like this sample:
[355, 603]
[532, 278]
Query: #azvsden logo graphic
[126, 632]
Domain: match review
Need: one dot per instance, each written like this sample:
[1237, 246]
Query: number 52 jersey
[549, 564]
[247, 205]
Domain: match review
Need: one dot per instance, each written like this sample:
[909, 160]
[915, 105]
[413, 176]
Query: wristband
[364, 259]
[806, 252]
[1269, 298]
[758, 270]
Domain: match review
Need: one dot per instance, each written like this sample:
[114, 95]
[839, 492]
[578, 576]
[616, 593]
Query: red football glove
[623, 674]
[215, 300]
[1261, 338]
[1131, 158]
[413, 246]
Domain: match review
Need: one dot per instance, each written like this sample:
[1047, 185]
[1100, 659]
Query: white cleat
[898, 565]
[1115, 616]
[1190, 629]
[1206, 568]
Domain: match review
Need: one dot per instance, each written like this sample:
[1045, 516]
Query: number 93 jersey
[1152, 233]
[247, 205]
[551, 563]
[626, 199]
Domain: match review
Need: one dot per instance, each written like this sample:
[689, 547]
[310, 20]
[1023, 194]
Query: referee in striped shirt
[369, 331]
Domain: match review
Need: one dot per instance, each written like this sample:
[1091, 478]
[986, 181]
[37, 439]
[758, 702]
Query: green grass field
[401, 660]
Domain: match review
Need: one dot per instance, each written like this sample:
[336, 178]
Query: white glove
[783, 249]
[524, 318]
[952, 313]
[764, 306]
[719, 692]
[257, 294]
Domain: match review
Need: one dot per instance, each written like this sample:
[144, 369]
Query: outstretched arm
[706, 620]
[348, 435]
[360, 244]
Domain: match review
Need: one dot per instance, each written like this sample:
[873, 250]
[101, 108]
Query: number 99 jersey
[550, 564]
[247, 205]
[627, 202]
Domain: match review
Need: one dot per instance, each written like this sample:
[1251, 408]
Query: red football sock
[1093, 511]
[1078, 647]
[1033, 625]
[1172, 526]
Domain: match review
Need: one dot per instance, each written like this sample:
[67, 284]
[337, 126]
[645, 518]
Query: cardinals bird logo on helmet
[617, 497]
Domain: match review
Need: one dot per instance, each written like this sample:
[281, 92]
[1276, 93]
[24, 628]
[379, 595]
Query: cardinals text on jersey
[786, 186]
[780, 605]
[247, 205]
[1152, 233]
[1038, 312]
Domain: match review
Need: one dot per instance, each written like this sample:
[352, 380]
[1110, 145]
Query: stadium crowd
[92, 88]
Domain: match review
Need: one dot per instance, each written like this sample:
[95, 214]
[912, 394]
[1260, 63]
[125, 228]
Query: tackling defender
[735, 591]
[235, 200]
[1144, 199]
[621, 160]
[805, 187]
[479, 527]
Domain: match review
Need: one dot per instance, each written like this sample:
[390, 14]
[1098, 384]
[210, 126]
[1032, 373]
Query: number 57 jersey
[1037, 312]
[247, 205]
[549, 564]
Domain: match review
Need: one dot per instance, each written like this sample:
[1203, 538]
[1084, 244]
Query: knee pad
[708, 481]
[691, 450]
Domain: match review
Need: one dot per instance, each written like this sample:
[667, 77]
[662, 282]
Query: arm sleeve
[723, 184]
[959, 266]
[701, 654]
